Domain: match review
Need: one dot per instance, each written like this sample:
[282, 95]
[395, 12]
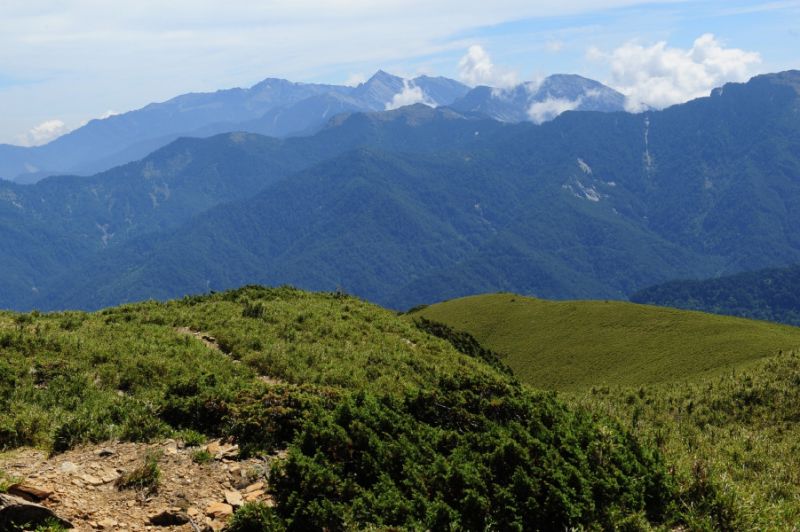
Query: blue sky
[63, 62]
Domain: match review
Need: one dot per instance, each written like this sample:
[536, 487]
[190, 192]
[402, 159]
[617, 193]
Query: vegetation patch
[735, 434]
[474, 454]
[387, 422]
[144, 478]
[574, 345]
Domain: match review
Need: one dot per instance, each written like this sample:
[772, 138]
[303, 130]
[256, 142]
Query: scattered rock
[68, 467]
[92, 480]
[107, 524]
[29, 493]
[16, 512]
[234, 498]
[109, 476]
[219, 509]
[214, 447]
[78, 482]
[222, 451]
[254, 495]
[254, 487]
[169, 517]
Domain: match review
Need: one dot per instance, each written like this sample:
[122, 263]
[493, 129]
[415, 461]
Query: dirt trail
[213, 344]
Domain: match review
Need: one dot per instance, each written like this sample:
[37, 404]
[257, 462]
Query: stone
[107, 524]
[254, 495]
[68, 467]
[213, 447]
[105, 452]
[234, 498]
[254, 487]
[219, 509]
[169, 517]
[109, 476]
[29, 493]
[229, 451]
[16, 512]
[92, 480]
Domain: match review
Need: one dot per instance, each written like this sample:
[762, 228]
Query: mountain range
[768, 294]
[280, 108]
[420, 204]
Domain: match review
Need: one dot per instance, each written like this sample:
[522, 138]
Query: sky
[64, 62]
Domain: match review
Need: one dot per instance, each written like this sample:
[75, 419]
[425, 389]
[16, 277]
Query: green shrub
[144, 478]
[474, 454]
[266, 419]
[202, 456]
[192, 438]
[255, 517]
[6, 481]
[253, 310]
[200, 403]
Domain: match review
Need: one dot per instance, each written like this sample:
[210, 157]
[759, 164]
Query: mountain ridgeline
[280, 108]
[422, 204]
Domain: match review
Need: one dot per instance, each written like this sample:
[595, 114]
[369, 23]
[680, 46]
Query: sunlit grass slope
[384, 426]
[71, 377]
[572, 345]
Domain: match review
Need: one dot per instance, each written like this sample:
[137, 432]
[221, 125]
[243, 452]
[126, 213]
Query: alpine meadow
[538, 271]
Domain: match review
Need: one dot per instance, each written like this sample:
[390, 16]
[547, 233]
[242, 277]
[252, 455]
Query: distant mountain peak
[381, 76]
[540, 101]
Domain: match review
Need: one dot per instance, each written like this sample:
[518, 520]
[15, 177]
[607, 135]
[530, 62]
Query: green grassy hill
[574, 345]
[385, 425]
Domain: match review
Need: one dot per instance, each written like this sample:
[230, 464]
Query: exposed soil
[80, 485]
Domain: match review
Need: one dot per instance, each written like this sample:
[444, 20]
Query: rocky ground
[80, 485]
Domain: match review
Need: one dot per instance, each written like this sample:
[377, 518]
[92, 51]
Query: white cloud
[543, 111]
[410, 95]
[659, 76]
[355, 79]
[476, 68]
[44, 133]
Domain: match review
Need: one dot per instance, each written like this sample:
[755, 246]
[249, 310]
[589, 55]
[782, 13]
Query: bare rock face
[17, 512]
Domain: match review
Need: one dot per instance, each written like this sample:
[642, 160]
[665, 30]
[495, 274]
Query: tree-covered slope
[61, 223]
[575, 345]
[418, 204]
[771, 294]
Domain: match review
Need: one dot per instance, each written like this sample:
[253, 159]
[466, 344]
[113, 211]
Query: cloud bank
[543, 111]
[659, 76]
[476, 68]
[44, 133]
[410, 95]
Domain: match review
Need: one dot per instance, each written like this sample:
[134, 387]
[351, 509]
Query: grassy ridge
[734, 434]
[71, 377]
[573, 345]
[384, 425]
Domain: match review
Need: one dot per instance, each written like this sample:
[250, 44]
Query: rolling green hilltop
[574, 345]
[393, 421]
[717, 395]
[385, 425]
